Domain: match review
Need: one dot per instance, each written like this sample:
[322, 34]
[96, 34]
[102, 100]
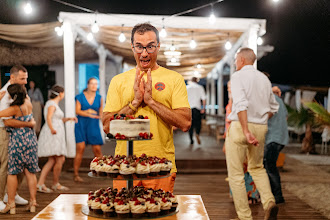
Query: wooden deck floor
[212, 188]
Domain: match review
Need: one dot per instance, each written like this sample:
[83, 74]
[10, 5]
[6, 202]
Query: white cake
[130, 128]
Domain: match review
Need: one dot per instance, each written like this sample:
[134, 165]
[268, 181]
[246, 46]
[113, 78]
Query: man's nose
[144, 52]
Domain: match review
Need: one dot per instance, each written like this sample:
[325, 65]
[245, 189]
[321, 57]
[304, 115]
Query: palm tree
[321, 114]
[300, 118]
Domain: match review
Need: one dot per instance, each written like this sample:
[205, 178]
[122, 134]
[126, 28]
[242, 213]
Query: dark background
[298, 29]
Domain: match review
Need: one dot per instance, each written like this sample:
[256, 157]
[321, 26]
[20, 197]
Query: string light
[260, 41]
[163, 32]
[122, 36]
[59, 31]
[212, 16]
[90, 36]
[192, 43]
[95, 27]
[28, 8]
[228, 44]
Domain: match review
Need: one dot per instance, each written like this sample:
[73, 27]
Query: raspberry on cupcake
[96, 205]
[107, 207]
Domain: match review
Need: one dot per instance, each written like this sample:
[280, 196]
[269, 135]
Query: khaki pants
[4, 141]
[237, 149]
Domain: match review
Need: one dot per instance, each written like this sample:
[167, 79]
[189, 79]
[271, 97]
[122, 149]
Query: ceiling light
[212, 18]
[259, 41]
[172, 53]
[122, 36]
[28, 8]
[90, 36]
[173, 60]
[192, 43]
[199, 66]
[173, 63]
[163, 32]
[95, 27]
[228, 45]
[59, 31]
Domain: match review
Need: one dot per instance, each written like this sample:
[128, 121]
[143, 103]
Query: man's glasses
[149, 48]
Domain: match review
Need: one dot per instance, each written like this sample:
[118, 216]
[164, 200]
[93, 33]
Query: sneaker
[18, 200]
[271, 211]
[198, 139]
[2, 205]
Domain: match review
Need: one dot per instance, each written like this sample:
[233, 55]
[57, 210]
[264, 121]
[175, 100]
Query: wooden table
[68, 206]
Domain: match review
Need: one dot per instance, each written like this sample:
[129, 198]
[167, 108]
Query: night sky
[298, 29]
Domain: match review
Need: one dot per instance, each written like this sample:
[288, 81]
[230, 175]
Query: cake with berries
[128, 127]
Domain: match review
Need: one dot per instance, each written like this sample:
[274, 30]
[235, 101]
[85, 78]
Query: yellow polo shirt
[169, 89]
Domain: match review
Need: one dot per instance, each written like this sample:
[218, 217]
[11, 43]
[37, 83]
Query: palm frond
[321, 114]
[301, 117]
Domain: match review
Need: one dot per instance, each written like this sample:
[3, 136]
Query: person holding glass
[89, 106]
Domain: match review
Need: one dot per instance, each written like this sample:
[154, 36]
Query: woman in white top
[52, 141]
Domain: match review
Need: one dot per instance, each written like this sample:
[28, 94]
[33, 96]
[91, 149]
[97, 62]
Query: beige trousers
[237, 149]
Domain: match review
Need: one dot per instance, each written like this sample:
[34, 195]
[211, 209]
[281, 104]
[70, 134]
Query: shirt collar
[246, 67]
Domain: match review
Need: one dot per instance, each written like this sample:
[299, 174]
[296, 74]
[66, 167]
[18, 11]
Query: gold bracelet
[131, 106]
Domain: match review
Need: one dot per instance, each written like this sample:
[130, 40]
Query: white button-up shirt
[196, 93]
[252, 91]
[5, 102]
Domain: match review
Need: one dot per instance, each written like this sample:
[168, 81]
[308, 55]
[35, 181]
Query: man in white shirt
[19, 75]
[253, 104]
[196, 94]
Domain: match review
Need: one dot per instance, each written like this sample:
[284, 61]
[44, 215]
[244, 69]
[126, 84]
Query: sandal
[59, 187]
[32, 206]
[42, 188]
[78, 179]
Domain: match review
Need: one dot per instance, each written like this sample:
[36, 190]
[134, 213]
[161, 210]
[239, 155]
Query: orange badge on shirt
[160, 86]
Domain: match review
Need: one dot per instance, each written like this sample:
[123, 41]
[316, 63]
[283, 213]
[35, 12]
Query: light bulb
[90, 36]
[172, 48]
[163, 33]
[199, 66]
[95, 27]
[193, 44]
[122, 37]
[59, 31]
[259, 41]
[28, 8]
[228, 45]
[212, 18]
[196, 73]
[275, 0]
[173, 59]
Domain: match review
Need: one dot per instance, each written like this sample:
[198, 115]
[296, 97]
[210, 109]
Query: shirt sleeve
[5, 103]
[240, 100]
[113, 102]
[274, 106]
[180, 95]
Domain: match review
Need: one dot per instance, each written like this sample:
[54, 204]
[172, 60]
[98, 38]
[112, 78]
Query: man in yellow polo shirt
[153, 91]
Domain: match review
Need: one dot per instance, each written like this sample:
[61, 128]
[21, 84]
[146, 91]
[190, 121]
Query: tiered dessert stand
[86, 210]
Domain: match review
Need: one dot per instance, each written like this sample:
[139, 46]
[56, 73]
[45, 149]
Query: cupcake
[166, 166]
[93, 164]
[142, 169]
[113, 169]
[126, 170]
[122, 209]
[99, 168]
[96, 206]
[107, 207]
[174, 201]
[89, 202]
[154, 167]
[153, 208]
[165, 206]
[137, 209]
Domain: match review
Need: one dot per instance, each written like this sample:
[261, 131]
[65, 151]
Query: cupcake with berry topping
[108, 208]
[93, 164]
[165, 206]
[122, 209]
[166, 166]
[127, 169]
[142, 169]
[138, 209]
[96, 205]
[89, 201]
[154, 167]
[113, 170]
[174, 201]
[100, 169]
[153, 207]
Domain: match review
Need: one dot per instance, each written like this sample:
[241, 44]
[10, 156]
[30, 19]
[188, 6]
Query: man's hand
[32, 123]
[251, 139]
[147, 88]
[202, 111]
[2, 94]
[138, 89]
